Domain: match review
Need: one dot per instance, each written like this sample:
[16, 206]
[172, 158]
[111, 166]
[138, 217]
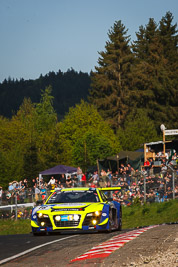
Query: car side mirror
[110, 199]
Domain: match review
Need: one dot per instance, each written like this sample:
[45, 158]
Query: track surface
[75, 243]
[157, 246]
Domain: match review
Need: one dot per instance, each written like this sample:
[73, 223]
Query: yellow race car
[77, 209]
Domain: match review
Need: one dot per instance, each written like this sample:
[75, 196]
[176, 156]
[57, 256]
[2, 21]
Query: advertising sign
[171, 132]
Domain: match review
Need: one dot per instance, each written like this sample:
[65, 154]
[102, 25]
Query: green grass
[133, 216]
[156, 213]
[12, 227]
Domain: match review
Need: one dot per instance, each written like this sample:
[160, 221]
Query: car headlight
[40, 215]
[57, 218]
[76, 217]
[94, 222]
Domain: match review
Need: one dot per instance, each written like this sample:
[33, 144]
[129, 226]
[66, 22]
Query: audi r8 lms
[77, 209]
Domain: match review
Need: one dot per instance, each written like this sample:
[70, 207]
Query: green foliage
[24, 140]
[154, 79]
[136, 201]
[89, 148]
[138, 129]
[68, 89]
[145, 210]
[45, 115]
[164, 206]
[90, 136]
[109, 88]
[30, 163]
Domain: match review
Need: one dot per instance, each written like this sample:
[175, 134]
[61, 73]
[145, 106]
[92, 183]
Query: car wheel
[110, 218]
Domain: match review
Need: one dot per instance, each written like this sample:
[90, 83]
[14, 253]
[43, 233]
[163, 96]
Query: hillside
[68, 88]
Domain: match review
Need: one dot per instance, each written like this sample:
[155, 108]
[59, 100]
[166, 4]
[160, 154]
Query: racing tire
[109, 230]
[110, 217]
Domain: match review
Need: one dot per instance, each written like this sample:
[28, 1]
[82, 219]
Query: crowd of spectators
[159, 185]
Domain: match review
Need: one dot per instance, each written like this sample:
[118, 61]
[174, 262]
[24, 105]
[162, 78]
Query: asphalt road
[70, 244]
[154, 247]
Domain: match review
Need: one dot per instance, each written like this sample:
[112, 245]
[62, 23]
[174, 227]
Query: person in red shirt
[83, 180]
[147, 166]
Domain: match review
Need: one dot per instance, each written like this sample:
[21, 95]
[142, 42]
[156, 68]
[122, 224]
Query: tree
[89, 148]
[138, 129]
[81, 124]
[151, 83]
[110, 83]
[31, 162]
[46, 117]
[169, 38]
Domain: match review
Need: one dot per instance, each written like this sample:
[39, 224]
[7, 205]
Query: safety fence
[140, 187]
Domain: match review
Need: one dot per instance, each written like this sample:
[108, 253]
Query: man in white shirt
[52, 182]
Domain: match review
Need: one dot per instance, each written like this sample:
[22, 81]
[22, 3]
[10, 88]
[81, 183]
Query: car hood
[68, 206]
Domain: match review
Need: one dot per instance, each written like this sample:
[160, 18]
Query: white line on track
[34, 248]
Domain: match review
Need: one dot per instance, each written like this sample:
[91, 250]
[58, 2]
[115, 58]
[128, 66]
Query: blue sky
[38, 36]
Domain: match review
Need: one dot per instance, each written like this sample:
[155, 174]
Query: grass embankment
[13, 227]
[133, 216]
[155, 213]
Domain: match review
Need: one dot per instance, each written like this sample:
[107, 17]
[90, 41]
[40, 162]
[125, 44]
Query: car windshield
[73, 197]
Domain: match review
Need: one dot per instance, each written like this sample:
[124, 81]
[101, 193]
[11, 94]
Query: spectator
[95, 178]
[43, 192]
[83, 180]
[147, 166]
[103, 178]
[63, 179]
[68, 182]
[8, 197]
[1, 195]
[25, 214]
[79, 174]
[30, 195]
[75, 181]
[37, 193]
[52, 182]
[33, 183]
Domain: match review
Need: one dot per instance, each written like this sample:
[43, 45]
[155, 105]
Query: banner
[171, 132]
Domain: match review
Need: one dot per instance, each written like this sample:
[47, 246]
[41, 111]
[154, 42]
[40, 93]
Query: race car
[78, 209]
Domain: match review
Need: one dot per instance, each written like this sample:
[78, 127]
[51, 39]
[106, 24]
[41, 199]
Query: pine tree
[46, 116]
[110, 81]
[138, 129]
[169, 40]
[151, 81]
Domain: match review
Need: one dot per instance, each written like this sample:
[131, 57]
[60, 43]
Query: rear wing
[110, 191]
[109, 188]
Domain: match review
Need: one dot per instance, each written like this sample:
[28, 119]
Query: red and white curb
[105, 249]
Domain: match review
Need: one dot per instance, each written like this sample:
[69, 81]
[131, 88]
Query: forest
[75, 118]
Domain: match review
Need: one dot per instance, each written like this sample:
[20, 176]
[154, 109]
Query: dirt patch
[156, 247]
